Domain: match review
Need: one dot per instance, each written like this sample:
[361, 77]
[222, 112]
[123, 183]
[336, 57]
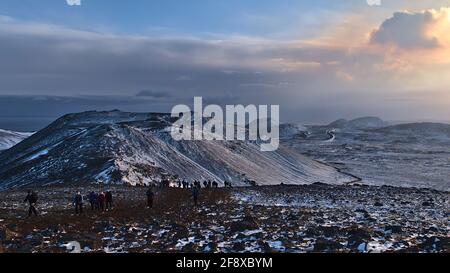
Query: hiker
[215, 184]
[101, 201]
[109, 199]
[78, 203]
[165, 184]
[209, 184]
[179, 184]
[205, 184]
[93, 200]
[195, 194]
[32, 199]
[150, 195]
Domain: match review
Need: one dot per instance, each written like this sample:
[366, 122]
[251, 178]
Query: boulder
[393, 229]
[324, 245]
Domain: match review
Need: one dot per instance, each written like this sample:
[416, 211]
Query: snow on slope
[406, 155]
[136, 149]
[10, 138]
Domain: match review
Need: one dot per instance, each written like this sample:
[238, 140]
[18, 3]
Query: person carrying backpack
[32, 199]
[78, 203]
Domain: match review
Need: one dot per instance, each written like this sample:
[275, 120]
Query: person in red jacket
[101, 201]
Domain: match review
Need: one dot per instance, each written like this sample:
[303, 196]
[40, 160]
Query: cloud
[73, 2]
[153, 94]
[344, 76]
[58, 66]
[184, 78]
[49, 59]
[413, 30]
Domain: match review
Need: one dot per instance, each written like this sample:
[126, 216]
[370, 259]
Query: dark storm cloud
[43, 59]
[153, 94]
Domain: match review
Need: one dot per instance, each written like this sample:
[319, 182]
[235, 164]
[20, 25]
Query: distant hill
[340, 123]
[137, 149]
[421, 128]
[359, 123]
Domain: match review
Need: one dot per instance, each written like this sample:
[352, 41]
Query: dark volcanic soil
[314, 218]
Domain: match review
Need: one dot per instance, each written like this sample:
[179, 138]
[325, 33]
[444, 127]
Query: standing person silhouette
[150, 196]
[32, 199]
[195, 194]
[101, 201]
[109, 200]
[78, 202]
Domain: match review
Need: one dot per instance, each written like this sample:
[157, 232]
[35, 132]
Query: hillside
[358, 123]
[137, 149]
[10, 138]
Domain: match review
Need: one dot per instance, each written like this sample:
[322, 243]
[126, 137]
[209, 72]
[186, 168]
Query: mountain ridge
[137, 149]
[359, 123]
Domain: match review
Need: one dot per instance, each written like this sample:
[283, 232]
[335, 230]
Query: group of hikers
[104, 200]
[206, 184]
[99, 201]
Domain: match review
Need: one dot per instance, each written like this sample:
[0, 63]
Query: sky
[319, 60]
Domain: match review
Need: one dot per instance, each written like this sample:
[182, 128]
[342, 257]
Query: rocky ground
[314, 218]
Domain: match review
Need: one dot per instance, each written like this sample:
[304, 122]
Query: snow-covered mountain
[10, 138]
[136, 149]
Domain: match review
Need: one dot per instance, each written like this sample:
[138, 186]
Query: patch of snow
[37, 155]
